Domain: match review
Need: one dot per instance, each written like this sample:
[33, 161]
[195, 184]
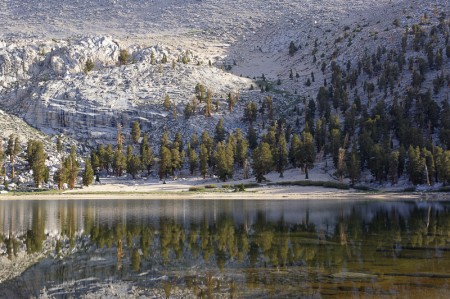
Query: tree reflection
[268, 252]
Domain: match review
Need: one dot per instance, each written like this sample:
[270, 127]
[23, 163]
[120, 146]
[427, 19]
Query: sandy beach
[153, 189]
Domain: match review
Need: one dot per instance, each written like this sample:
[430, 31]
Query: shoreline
[259, 193]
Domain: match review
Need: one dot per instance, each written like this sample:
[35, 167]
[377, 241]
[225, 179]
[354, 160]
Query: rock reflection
[368, 249]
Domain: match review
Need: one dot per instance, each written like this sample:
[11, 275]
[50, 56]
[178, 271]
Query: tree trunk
[306, 173]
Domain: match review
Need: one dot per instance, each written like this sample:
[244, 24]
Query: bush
[226, 186]
[212, 186]
[248, 185]
[123, 57]
[362, 188]
[324, 184]
[196, 188]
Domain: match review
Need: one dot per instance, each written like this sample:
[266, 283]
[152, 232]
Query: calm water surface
[239, 248]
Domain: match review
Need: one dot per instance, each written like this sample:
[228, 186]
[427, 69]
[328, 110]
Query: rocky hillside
[357, 74]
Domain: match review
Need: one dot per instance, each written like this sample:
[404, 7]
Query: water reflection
[237, 248]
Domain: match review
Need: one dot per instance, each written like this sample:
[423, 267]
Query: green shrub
[212, 186]
[196, 188]
[227, 186]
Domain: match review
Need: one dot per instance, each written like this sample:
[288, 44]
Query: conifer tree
[119, 162]
[204, 158]
[59, 145]
[71, 164]
[281, 158]
[165, 162]
[36, 159]
[208, 106]
[194, 142]
[123, 57]
[224, 161]
[416, 165]
[262, 161]
[354, 167]
[241, 148]
[88, 174]
[252, 137]
[95, 161]
[294, 150]
[208, 142]
[220, 131]
[135, 132]
[176, 160]
[167, 102]
[443, 167]
[193, 161]
[147, 156]
[60, 176]
[133, 165]
[307, 153]
[12, 150]
[393, 166]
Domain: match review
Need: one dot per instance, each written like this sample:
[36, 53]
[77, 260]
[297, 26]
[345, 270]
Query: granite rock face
[45, 84]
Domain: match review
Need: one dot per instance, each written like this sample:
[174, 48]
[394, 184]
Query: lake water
[228, 249]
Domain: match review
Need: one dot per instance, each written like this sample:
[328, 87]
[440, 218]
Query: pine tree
[223, 155]
[193, 161]
[12, 150]
[416, 165]
[133, 165]
[307, 153]
[354, 167]
[341, 167]
[231, 102]
[281, 158]
[208, 106]
[241, 148]
[95, 161]
[204, 157]
[293, 151]
[109, 155]
[252, 137]
[262, 161]
[194, 142]
[59, 145]
[393, 166]
[152, 58]
[209, 143]
[165, 162]
[443, 167]
[220, 131]
[167, 103]
[147, 156]
[188, 111]
[71, 164]
[88, 66]
[135, 132]
[36, 158]
[88, 174]
[176, 160]
[123, 57]
[60, 176]
[164, 59]
[119, 138]
[119, 162]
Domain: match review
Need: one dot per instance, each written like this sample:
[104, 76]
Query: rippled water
[238, 248]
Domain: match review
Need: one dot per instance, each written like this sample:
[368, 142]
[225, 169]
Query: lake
[225, 249]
